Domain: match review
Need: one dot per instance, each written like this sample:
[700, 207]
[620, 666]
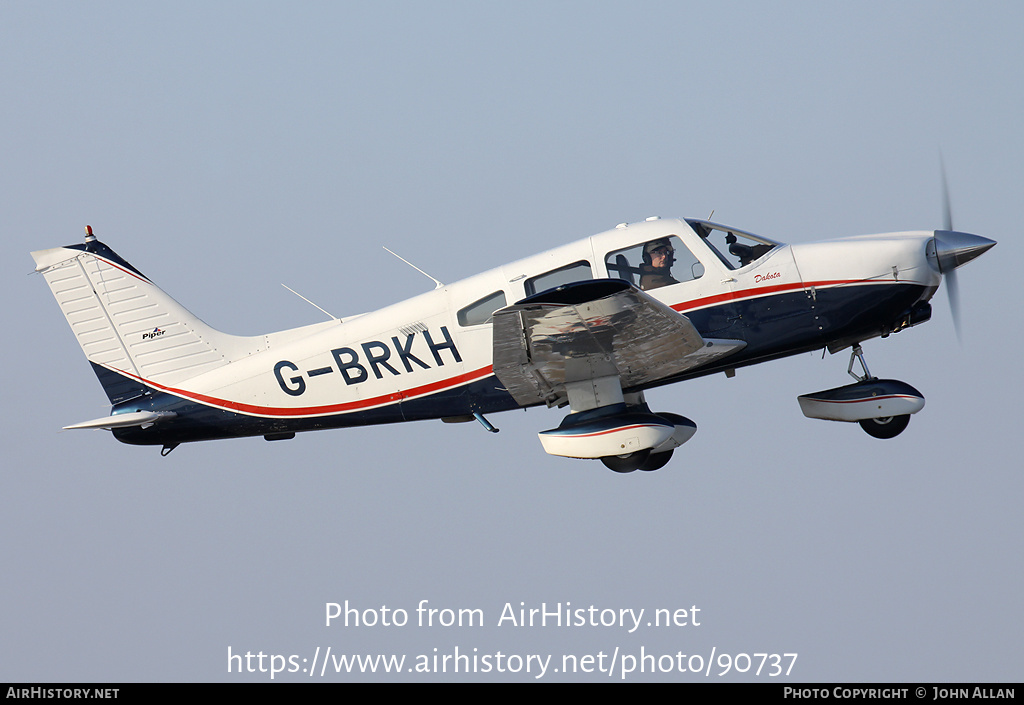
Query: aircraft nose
[953, 248]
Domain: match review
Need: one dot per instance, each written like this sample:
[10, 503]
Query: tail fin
[126, 324]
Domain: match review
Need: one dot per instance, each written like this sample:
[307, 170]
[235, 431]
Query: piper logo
[155, 333]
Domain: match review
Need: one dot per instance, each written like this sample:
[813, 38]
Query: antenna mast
[437, 283]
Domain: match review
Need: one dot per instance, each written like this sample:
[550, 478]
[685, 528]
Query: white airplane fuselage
[431, 356]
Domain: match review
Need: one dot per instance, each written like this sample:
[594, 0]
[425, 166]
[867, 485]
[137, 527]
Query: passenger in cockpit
[656, 270]
[736, 249]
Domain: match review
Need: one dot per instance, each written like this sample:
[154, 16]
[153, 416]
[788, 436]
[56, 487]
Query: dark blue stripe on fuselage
[199, 422]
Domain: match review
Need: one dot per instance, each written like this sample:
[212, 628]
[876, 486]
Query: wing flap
[594, 329]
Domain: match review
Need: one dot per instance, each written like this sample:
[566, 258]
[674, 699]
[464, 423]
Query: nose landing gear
[882, 407]
[885, 427]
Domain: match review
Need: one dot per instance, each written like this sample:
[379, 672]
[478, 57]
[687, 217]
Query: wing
[592, 329]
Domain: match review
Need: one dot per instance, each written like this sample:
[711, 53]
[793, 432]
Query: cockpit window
[479, 312]
[734, 247]
[654, 264]
[575, 272]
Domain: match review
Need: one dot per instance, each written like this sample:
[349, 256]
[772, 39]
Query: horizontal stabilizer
[135, 418]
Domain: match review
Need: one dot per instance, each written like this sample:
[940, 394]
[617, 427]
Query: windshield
[734, 247]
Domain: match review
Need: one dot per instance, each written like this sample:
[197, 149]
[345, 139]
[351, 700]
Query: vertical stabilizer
[126, 324]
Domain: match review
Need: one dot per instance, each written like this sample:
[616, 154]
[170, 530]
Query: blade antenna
[437, 283]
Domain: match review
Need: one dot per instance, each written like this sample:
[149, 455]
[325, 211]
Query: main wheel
[886, 427]
[626, 463]
[656, 461]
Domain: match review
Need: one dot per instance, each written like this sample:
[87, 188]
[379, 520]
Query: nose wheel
[885, 427]
[882, 407]
[880, 427]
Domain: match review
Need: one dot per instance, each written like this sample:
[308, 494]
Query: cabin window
[575, 272]
[734, 247]
[654, 263]
[480, 312]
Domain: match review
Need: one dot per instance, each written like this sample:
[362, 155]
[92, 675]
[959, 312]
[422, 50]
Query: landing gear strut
[858, 354]
[877, 427]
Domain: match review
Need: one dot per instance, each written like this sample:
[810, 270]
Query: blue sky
[226, 148]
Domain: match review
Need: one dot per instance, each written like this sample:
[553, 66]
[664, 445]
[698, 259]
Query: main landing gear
[882, 407]
[623, 436]
[628, 462]
[651, 459]
[646, 460]
[655, 458]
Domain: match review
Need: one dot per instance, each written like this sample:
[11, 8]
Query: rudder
[126, 324]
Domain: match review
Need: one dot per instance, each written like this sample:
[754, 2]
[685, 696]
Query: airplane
[590, 325]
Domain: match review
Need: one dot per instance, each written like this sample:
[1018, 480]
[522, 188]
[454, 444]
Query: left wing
[594, 329]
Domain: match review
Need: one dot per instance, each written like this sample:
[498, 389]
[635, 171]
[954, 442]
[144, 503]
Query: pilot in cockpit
[656, 270]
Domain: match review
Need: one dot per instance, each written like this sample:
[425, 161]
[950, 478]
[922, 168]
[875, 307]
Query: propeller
[952, 287]
[953, 249]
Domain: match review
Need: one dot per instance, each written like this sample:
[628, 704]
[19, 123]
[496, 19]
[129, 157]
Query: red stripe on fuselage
[423, 390]
[757, 292]
[610, 430]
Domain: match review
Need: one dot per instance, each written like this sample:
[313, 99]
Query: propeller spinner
[954, 249]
